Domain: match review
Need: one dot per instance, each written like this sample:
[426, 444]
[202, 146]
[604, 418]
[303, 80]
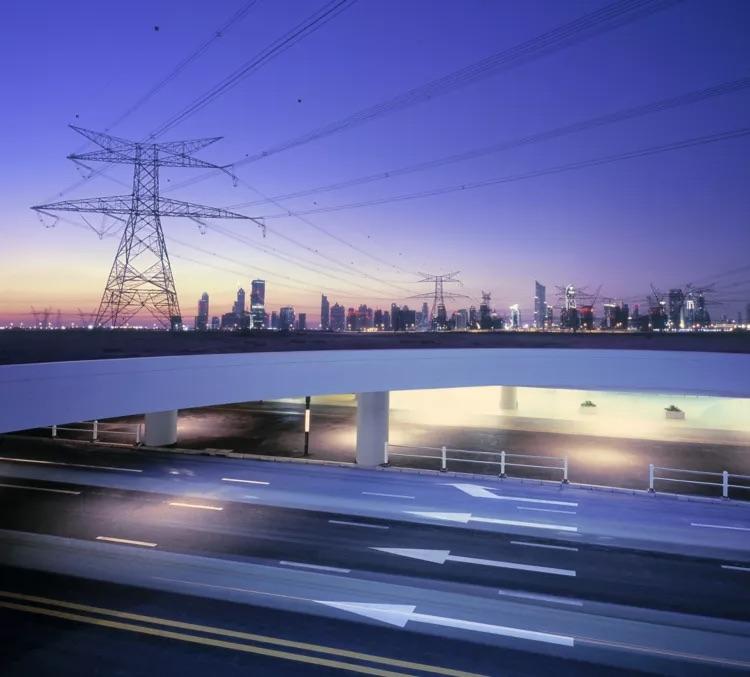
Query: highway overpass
[45, 388]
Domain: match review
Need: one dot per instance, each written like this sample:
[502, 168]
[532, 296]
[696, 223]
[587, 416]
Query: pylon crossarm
[170, 207]
[115, 156]
[114, 204]
[185, 148]
[106, 141]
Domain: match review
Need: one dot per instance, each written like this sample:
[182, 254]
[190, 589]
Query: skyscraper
[201, 320]
[325, 313]
[239, 305]
[286, 318]
[258, 303]
[515, 316]
[676, 309]
[338, 317]
[540, 305]
[302, 321]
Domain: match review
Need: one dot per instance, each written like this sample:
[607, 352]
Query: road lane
[662, 642]
[245, 532]
[636, 521]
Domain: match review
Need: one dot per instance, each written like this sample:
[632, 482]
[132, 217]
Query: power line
[558, 169]
[585, 27]
[332, 235]
[557, 132]
[306, 27]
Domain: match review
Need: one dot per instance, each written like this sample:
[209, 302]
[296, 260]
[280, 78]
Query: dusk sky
[669, 218]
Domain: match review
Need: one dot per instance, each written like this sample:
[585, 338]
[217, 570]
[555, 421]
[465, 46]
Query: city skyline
[670, 218]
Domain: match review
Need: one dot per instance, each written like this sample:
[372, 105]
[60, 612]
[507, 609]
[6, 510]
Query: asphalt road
[579, 582]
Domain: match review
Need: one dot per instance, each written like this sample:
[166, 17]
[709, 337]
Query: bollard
[725, 484]
[651, 478]
[502, 463]
[95, 432]
[54, 431]
[443, 460]
[565, 470]
[138, 435]
[385, 454]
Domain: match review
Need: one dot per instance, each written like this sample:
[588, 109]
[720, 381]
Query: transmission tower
[141, 276]
[439, 295]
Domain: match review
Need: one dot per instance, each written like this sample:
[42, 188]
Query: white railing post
[651, 478]
[502, 463]
[443, 459]
[385, 453]
[54, 431]
[137, 434]
[725, 484]
[95, 432]
[565, 470]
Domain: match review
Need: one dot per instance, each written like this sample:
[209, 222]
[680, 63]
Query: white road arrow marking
[400, 614]
[466, 517]
[443, 556]
[483, 492]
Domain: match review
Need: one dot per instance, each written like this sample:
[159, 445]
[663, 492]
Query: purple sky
[670, 219]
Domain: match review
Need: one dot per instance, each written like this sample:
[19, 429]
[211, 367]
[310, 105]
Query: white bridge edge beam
[42, 394]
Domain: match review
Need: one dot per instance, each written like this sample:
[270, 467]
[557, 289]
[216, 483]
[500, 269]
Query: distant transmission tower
[141, 276]
[439, 295]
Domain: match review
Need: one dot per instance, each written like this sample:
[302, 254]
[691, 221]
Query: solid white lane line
[719, 526]
[567, 512]
[232, 479]
[178, 504]
[317, 567]
[540, 598]
[358, 524]
[375, 493]
[734, 568]
[52, 491]
[125, 541]
[69, 465]
[544, 545]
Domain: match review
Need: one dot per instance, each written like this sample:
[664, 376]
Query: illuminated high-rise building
[515, 317]
[540, 305]
[325, 313]
[286, 318]
[239, 305]
[338, 317]
[201, 319]
[258, 303]
[676, 310]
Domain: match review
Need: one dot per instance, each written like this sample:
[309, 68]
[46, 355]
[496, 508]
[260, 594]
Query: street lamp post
[307, 426]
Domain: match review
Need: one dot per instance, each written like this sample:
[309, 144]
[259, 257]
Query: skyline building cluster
[678, 310]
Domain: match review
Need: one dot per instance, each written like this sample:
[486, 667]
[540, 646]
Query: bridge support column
[508, 398]
[372, 428]
[161, 428]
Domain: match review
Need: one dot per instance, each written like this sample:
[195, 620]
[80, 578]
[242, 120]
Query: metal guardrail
[725, 483]
[97, 429]
[502, 459]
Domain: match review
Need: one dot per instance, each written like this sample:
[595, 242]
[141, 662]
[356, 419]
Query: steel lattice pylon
[439, 295]
[141, 275]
